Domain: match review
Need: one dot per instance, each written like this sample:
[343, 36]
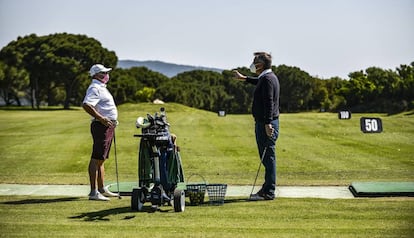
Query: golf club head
[141, 122]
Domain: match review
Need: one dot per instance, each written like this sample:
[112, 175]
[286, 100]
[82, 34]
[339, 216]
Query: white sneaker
[99, 197]
[105, 191]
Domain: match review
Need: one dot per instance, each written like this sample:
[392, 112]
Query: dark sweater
[265, 106]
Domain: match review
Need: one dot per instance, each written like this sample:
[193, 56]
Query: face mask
[105, 78]
[253, 68]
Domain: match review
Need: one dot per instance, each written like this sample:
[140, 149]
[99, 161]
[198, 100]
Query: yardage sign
[221, 113]
[371, 125]
[344, 115]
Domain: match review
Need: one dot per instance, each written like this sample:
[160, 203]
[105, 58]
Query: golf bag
[159, 165]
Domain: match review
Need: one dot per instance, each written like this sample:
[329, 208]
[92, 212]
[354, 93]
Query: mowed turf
[78, 217]
[53, 147]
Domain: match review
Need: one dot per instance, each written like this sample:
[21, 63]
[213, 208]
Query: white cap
[97, 68]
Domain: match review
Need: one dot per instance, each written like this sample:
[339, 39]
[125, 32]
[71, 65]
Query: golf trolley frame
[159, 165]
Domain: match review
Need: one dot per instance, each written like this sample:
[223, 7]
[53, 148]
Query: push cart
[159, 165]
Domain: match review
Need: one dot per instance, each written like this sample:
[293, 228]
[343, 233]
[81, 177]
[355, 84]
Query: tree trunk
[66, 105]
[32, 97]
[69, 89]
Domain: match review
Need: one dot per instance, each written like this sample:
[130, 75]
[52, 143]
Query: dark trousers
[269, 160]
[102, 139]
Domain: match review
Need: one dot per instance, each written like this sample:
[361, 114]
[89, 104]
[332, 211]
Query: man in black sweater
[265, 110]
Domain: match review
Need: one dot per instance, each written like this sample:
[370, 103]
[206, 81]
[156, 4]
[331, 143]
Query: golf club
[258, 170]
[116, 168]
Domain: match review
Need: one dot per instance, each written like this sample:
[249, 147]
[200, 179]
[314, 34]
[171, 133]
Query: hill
[168, 69]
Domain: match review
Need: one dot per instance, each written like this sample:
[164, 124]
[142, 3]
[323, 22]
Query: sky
[325, 38]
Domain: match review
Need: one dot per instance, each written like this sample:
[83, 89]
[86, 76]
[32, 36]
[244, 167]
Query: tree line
[53, 70]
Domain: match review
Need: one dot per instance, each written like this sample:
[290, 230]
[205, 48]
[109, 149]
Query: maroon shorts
[102, 139]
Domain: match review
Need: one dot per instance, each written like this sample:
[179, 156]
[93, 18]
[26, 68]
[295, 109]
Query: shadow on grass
[236, 200]
[103, 214]
[41, 201]
[226, 201]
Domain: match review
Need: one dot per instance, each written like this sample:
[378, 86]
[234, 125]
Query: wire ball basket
[216, 193]
[196, 192]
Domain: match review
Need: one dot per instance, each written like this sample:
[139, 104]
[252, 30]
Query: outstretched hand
[239, 76]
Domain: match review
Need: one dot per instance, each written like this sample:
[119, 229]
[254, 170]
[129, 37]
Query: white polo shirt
[98, 96]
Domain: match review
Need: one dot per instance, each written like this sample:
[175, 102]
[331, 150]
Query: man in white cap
[100, 104]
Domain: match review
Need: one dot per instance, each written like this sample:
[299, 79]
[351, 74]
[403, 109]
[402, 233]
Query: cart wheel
[137, 199]
[141, 200]
[134, 199]
[179, 200]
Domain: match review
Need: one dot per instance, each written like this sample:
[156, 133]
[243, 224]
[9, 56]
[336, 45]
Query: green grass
[75, 217]
[53, 146]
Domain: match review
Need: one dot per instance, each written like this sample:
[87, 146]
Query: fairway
[53, 147]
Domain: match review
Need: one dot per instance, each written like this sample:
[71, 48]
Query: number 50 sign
[371, 125]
